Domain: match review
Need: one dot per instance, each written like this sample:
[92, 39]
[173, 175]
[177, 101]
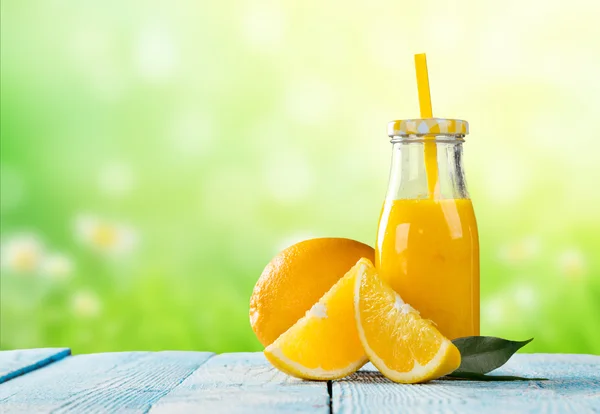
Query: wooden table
[51, 380]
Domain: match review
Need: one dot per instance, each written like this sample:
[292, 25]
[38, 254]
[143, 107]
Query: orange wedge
[324, 344]
[402, 345]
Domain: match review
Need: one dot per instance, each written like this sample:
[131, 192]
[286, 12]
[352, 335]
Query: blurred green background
[156, 154]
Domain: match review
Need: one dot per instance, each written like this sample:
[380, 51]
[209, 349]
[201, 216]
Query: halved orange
[324, 344]
[402, 345]
[297, 278]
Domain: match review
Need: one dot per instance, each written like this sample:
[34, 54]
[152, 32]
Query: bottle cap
[429, 126]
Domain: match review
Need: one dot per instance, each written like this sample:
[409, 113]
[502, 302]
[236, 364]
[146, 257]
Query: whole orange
[296, 279]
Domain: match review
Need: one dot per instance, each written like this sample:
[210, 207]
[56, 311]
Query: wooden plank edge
[181, 380]
[36, 365]
[330, 395]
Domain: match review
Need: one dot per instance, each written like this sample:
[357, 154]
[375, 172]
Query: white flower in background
[86, 304]
[105, 236]
[22, 254]
[57, 266]
[116, 179]
[520, 250]
[572, 264]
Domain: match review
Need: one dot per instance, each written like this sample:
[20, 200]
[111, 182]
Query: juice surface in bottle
[427, 243]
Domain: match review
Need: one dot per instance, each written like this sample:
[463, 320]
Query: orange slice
[324, 344]
[402, 345]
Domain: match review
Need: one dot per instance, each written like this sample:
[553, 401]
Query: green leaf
[482, 377]
[482, 354]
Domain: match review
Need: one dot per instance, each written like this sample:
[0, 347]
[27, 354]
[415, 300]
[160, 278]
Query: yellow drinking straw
[427, 112]
[423, 85]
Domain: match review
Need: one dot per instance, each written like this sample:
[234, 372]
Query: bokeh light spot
[157, 56]
[573, 264]
[116, 179]
[521, 250]
[526, 296]
[86, 304]
[263, 25]
[57, 266]
[494, 311]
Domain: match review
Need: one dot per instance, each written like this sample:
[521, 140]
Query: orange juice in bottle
[427, 242]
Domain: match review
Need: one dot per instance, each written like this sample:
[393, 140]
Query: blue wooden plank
[124, 381]
[21, 361]
[573, 387]
[244, 383]
[167, 382]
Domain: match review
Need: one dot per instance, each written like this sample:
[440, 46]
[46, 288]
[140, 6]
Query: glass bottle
[427, 241]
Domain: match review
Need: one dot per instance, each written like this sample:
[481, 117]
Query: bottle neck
[410, 170]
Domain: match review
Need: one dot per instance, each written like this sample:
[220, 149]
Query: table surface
[52, 380]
